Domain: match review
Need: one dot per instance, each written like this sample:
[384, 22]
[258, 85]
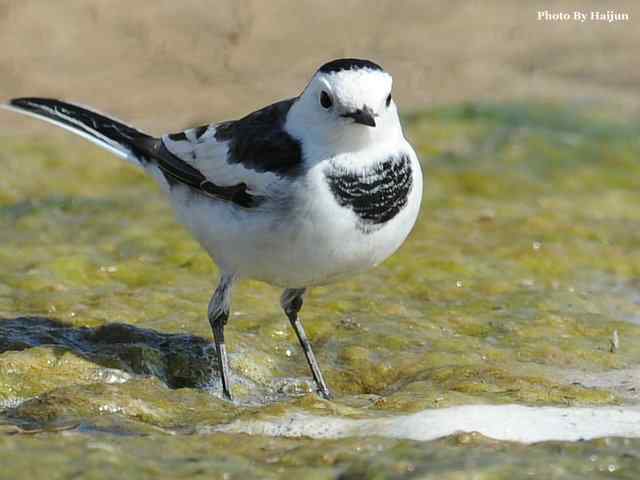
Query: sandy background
[166, 64]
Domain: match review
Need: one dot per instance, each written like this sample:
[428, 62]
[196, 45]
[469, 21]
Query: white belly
[313, 241]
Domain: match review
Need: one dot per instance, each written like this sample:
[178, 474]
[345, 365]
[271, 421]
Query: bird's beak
[364, 116]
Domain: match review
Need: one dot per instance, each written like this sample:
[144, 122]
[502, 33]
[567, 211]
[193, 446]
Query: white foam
[502, 422]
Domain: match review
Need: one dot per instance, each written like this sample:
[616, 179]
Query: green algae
[523, 265]
[222, 456]
[47, 369]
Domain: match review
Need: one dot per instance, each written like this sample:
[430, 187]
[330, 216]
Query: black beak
[364, 116]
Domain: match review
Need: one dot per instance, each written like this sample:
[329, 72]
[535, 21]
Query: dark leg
[218, 316]
[291, 302]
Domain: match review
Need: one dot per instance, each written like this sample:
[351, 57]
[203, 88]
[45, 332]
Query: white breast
[340, 247]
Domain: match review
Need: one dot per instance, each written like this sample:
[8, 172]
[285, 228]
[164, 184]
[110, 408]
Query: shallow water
[523, 265]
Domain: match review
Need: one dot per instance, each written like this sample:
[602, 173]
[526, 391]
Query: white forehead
[358, 87]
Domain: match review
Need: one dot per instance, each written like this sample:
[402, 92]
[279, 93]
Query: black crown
[348, 64]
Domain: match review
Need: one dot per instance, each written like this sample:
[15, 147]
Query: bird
[303, 192]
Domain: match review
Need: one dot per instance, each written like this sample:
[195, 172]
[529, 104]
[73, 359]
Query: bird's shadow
[179, 360]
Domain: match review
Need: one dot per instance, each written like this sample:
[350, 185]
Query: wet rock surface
[177, 360]
[518, 286]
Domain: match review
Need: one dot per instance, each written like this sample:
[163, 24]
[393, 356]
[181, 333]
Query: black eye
[389, 100]
[325, 100]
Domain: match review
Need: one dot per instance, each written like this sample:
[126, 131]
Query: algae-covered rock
[520, 274]
[46, 350]
[144, 400]
[27, 373]
[239, 456]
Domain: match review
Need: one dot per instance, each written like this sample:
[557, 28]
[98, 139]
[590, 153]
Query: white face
[346, 109]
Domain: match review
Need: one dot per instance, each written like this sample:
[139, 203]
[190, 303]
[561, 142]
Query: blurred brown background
[167, 64]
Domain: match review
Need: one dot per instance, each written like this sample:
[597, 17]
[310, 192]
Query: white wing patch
[210, 157]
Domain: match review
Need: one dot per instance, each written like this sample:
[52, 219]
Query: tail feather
[104, 131]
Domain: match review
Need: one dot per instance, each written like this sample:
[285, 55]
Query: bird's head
[347, 105]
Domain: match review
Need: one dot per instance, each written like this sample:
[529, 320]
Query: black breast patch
[375, 195]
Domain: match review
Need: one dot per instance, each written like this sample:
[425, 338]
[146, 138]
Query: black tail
[104, 131]
[128, 143]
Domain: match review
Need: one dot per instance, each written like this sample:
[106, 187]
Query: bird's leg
[291, 302]
[218, 316]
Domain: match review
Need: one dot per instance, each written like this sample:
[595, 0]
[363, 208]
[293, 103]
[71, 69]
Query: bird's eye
[325, 100]
[388, 100]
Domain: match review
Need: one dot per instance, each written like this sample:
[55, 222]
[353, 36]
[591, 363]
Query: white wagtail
[300, 193]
